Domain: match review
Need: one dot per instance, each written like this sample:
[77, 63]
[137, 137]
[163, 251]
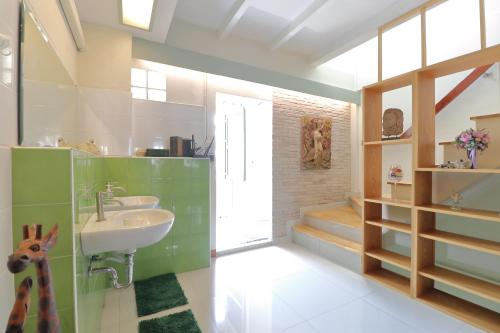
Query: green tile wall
[183, 186]
[56, 185]
[42, 194]
[87, 173]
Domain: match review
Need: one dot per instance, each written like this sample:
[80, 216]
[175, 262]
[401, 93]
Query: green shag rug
[182, 322]
[157, 294]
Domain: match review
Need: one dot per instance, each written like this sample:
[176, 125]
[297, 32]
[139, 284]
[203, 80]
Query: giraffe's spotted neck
[48, 320]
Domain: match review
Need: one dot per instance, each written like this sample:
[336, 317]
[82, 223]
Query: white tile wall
[8, 137]
[105, 116]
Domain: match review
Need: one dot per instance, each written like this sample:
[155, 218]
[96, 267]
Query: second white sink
[131, 202]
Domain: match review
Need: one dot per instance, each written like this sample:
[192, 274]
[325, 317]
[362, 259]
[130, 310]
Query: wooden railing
[454, 93]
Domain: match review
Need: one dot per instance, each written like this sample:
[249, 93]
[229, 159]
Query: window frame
[146, 86]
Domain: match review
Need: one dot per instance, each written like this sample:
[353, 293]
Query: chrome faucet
[99, 200]
[111, 188]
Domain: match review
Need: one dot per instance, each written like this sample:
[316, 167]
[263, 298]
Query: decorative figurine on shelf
[395, 175]
[460, 164]
[34, 249]
[473, 141]
[392, 124]
[456, 197]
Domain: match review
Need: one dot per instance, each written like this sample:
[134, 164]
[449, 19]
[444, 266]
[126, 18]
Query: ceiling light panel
[137, 13]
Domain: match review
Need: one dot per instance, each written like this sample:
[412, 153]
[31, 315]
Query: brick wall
[294, 188]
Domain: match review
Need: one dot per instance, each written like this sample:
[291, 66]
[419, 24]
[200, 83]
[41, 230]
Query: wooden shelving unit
[422, 230]
[392, 225]
[390, 202]
[392, 258]
[463, 241]
[460, 281]
[473, 171]
[464, 212]
[388, 142]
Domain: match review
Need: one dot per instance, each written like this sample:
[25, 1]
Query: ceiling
[314, 29]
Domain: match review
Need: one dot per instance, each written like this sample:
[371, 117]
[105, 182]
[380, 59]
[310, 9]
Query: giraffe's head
[33, 247]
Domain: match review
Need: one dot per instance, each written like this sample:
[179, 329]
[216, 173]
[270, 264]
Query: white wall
[50, 16]
[8, 137]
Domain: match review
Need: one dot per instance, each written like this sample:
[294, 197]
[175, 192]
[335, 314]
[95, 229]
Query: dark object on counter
[157, 152]
[187, 148]
[176, 146]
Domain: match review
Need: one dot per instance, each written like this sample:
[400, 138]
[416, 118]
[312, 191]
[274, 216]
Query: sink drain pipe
[129, 264]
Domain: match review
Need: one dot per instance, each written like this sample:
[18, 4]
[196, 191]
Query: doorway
[243, 172]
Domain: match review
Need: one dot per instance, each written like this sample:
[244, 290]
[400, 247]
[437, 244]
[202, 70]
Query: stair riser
[335, 229]
[357, 208]
[329, 251]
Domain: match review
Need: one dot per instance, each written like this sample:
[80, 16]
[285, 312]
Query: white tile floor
[286, 289]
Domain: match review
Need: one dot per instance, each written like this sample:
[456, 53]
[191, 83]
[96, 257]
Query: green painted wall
[57, 185]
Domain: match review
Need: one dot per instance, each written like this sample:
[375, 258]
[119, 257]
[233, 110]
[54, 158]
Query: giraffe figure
[21, 307]
[34, 249]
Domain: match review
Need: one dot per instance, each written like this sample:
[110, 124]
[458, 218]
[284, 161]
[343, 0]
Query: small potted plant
[473, 141]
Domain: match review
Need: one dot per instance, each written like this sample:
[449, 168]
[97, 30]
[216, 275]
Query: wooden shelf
[393, 83]
[463, 282]
[474, 171]
[392, 225]
[464, 212]
[389, 257]
[341, 242]
[476, 315]
[463, 241]
[389, 142]
[390, 279]
[391, 202]
[345, 216]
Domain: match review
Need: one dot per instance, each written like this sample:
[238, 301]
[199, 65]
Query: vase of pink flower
[473, 141]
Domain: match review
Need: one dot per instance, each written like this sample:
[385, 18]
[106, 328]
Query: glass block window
[148, 85]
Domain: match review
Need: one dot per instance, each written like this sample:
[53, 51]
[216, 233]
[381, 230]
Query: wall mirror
[47, 93]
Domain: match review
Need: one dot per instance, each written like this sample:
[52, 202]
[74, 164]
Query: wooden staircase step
[486, 116]
[345, 216]
[341, 242]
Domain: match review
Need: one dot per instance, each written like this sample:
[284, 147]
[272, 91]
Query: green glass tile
[191, 261]
[162, 168]
[200, 223]
[139, 187]
[41, 176]
[115, 169]
[163, 190]
[139, 169]
[62, 281]
[153, 267]
[179, 169]
[199, 168]
[66, 319]
[182, 225]
[181, 189]
[47, 216]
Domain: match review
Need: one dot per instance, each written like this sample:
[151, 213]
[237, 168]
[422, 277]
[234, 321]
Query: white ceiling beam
[237, 12]
[296, 25]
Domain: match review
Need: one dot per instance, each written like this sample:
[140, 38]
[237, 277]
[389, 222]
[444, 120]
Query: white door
[244, 171]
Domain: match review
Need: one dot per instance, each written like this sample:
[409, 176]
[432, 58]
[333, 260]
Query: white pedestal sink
[125, 231]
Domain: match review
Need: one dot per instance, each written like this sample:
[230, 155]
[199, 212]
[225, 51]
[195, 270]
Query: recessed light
[137, 13]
